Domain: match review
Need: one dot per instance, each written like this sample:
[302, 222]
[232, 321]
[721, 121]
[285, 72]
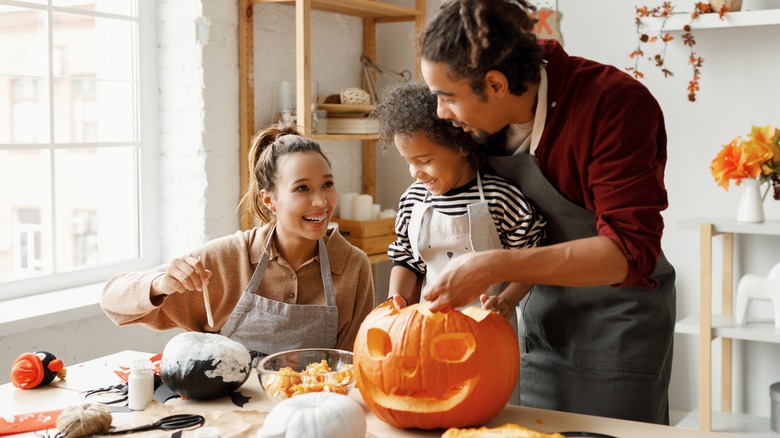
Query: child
[454, 207]
[289, 284]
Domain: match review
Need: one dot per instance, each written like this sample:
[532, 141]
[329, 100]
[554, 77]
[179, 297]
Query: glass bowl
[290, 373]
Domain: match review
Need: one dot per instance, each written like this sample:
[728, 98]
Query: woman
[291, 283]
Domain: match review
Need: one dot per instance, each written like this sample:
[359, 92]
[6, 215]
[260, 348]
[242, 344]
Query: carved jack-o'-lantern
[417, 369]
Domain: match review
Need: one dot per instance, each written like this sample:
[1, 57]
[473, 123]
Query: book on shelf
[352, 125]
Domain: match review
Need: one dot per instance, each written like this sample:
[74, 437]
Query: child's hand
[399, 301]
[496, 304]
[183, 274]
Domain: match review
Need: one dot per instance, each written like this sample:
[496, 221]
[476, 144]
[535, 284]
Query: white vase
[751, 206]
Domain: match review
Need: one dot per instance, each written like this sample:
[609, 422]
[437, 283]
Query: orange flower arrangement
[756, 157]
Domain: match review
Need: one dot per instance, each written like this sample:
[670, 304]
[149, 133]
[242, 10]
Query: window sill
[44, 310]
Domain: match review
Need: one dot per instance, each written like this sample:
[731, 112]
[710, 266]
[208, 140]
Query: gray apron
[603, 350]
[267, 326]
[437, 238]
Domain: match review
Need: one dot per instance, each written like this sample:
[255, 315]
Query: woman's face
[439, 168]
[305, 196]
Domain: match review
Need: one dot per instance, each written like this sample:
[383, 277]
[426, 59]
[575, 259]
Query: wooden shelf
[677, 21]
[725, 326]
[378, 258]
[332, 137]
[710, 326]
[358, 8]
[373, 13]
[742, 424]
[729, 225]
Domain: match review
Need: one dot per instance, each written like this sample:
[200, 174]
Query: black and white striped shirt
[518, 224]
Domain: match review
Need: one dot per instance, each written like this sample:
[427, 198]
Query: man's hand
[461, 281]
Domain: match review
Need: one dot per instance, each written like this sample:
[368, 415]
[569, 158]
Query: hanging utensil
[370, 69]
[172, 422]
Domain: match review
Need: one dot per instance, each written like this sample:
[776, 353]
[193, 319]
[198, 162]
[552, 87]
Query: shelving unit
[751, 426]
[723, 326]
[373, 13]
[677, 21]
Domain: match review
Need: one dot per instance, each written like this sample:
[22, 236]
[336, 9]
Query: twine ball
[84, 420]
[355, 96]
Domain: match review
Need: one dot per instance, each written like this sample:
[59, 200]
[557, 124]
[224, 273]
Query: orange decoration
[31, 370]
[756, 157]
[124, 371]
[417, 369]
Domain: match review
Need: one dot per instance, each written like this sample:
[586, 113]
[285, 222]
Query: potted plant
[754, 161]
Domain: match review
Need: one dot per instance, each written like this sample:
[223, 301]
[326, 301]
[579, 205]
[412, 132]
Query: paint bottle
[140, 385]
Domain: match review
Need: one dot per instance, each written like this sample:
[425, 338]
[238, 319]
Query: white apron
[266, 326]
[437, 238]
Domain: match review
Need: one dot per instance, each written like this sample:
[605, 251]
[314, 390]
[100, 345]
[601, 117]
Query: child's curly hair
[410, 107]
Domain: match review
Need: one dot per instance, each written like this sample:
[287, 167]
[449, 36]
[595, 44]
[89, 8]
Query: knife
[208, 305]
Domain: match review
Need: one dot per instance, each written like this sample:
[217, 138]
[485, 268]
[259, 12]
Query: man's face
[459, 104]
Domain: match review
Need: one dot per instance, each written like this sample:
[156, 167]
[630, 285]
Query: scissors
[172, 422]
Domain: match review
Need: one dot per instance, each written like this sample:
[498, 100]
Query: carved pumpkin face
[429, 370]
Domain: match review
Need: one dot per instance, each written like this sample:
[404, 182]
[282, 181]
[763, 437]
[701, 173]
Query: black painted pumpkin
[203, 366]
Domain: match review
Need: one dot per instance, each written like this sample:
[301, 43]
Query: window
[27, 240]
[75, 200]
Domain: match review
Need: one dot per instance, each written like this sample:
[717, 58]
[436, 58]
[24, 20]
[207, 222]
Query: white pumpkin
[315, 414]
[203, 366]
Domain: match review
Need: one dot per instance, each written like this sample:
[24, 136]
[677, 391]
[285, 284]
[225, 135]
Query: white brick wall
[198, 100]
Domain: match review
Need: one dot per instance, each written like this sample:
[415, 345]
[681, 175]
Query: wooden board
[372, 245]
[378, 227]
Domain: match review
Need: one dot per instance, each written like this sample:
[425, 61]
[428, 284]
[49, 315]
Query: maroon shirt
[604, 148]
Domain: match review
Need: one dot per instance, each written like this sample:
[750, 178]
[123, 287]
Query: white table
[100, 373]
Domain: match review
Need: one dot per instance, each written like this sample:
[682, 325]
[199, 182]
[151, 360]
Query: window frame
[147, 153]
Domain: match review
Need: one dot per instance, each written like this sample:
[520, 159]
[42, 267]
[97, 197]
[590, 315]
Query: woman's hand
[496, 304]
[183, 274]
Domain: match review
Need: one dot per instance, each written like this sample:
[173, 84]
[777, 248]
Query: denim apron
[601, 350]
[436, 238]
[266, 326]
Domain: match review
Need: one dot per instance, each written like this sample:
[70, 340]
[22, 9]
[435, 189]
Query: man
[587, 144]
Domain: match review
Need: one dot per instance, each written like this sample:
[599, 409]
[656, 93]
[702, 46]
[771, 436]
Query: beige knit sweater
[232, 260]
